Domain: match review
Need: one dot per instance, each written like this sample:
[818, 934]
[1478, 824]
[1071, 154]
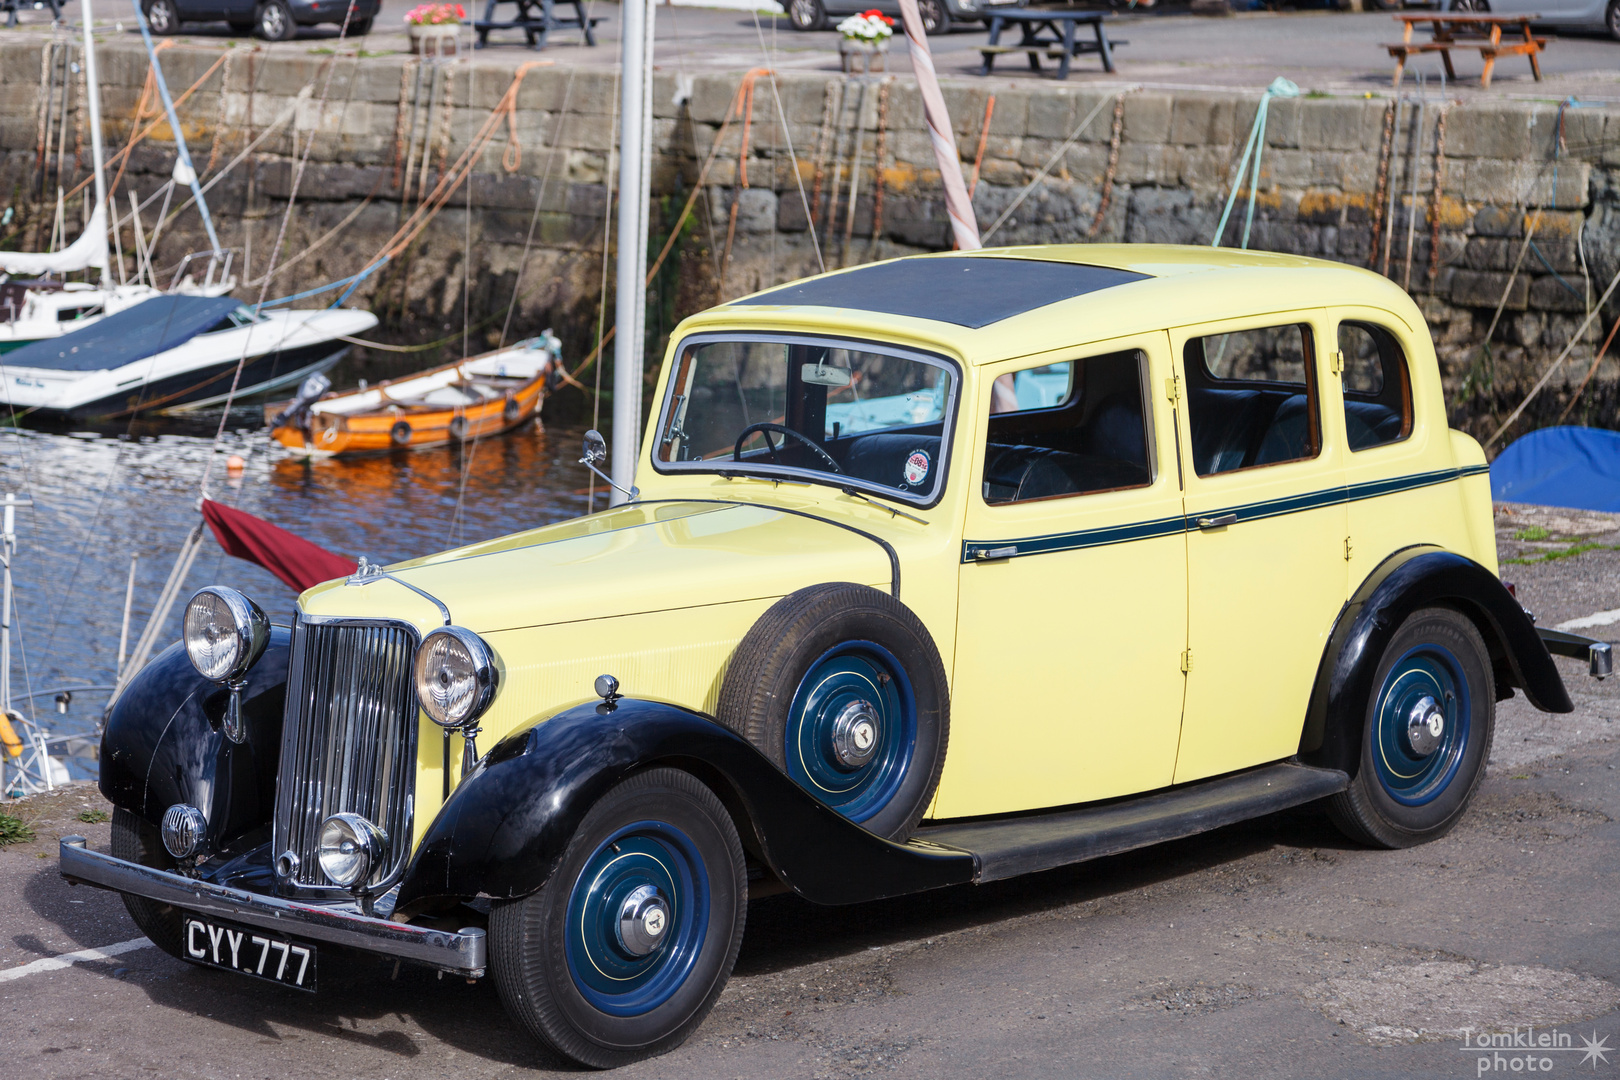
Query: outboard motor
[297, 411]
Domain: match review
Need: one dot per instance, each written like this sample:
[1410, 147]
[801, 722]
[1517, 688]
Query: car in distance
[1601, 15]
[938, 16]
[273, 20]
[939, 570]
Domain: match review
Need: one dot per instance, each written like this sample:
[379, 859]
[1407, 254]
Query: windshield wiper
[852, 493]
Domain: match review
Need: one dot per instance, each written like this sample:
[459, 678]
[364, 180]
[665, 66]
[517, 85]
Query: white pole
[964, 225]
[630, 291]
[93, 85]
[7, 538]
[129, 602]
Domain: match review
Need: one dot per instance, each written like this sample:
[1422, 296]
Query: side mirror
[595, 448]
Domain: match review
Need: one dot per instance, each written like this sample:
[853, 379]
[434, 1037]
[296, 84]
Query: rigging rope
[1256, 144]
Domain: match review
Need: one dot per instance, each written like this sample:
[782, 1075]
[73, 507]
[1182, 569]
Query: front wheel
[133, 840]
[1612, 19]
[935, 19]
[807, 14]
[359, 27]
[1427, 734]
[622, 953]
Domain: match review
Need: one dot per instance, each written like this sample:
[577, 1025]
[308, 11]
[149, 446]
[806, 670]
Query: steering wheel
[766, 428]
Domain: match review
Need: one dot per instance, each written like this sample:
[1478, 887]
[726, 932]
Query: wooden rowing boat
[470, 399]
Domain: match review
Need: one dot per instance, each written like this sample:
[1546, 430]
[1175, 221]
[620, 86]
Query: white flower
[865, 28]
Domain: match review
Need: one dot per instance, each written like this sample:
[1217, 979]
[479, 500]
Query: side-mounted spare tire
[841, 686]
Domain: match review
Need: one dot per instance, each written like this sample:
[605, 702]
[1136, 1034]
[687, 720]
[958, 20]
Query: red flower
[876, 14]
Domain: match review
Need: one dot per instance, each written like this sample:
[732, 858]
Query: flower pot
[434, 39]
[858, 54]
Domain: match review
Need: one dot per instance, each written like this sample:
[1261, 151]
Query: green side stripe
[1257, 511]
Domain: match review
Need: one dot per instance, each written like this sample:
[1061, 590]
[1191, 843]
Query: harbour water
[99, 497]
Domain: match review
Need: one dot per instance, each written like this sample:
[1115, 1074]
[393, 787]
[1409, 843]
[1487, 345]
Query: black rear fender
[1408, 580]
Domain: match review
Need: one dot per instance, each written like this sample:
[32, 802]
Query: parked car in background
[273, 20]
[937, 15]
[1559, 14]
[940, 571]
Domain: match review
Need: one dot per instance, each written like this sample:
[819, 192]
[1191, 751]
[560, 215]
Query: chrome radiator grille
[348, 740]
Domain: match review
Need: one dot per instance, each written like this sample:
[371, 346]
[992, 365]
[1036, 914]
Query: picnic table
[14, 6]
[536, 18]
[1482, 32]
[1048, 32]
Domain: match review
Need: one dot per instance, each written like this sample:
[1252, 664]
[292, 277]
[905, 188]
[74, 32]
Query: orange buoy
[9, 737]
[234, 465]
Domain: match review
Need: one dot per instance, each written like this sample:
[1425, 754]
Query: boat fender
[458, 427]
[512, 410]
[9, 737]
[400, 433]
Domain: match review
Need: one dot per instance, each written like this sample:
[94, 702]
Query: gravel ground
[1272, 948]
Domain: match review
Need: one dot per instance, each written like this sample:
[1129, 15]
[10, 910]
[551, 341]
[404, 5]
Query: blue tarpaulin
[1577, 467]
[148, 328]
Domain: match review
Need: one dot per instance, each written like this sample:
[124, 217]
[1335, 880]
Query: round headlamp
[225, 633]
[351, 848]
[184, 829]
[455, 676]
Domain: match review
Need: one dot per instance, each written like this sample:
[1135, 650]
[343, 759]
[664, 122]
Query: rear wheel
[133, 840]
[622, 953]
[1612, 19]
[274, 21]
[935, 19]
[807, 14]
[162, 17]
[359, 27]
[840, 685]
[1427, 735]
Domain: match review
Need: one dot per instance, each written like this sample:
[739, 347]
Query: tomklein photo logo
[1526, 1050]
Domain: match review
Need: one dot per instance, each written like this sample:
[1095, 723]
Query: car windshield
[857, 415]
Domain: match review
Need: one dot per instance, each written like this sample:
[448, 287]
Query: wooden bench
[1475, 32]
[1050, 33]
[536, 18]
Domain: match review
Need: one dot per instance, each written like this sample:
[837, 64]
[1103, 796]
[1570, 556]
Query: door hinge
[1349, 550]
[1186, 661]
[1336, 361]
[1172, 389]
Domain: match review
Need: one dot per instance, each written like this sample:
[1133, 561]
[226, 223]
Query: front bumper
[1599, 655]
[458, 951]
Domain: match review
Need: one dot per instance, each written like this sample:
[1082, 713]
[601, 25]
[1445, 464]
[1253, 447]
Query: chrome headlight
[225, 633]
[455, 676]
[184, 829]
[350, 849]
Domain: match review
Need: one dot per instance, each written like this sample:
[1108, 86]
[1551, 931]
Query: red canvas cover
[291, 558]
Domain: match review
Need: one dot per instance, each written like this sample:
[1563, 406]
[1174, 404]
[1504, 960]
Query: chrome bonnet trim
[462, 952]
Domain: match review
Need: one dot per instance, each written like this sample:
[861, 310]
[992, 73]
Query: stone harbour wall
[1524, 213]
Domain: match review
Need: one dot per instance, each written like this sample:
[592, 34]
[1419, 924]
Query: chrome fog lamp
[351, 848]
[184, 829]
[225, 634]
[455, 676]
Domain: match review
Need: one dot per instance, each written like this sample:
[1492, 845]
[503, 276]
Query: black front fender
[163, 743]
[505, 826]
[1408, 580]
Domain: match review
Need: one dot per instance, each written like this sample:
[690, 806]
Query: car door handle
[989, 554]
[1220, 522]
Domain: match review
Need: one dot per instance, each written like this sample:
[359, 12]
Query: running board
[1009, 847]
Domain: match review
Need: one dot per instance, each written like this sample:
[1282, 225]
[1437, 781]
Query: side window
[1377, 388]
[1068, 429]
[1251, 399]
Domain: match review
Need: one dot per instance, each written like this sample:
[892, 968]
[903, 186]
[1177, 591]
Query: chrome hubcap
[1425, 725]
[643, 918]
[855, 734]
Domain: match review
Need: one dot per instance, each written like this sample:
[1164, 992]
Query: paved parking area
[1330, 52]
[1273, 948]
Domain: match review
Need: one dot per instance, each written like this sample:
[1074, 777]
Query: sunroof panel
[968, 291]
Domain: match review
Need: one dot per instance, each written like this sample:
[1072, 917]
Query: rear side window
[1073, 428]
[1377, 386]
[1251, 398]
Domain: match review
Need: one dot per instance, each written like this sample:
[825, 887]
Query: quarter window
[1377, 388]
[1072, 428]
[1251, 399]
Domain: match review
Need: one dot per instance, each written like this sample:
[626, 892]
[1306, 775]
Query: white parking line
[56, 963]
[1601, 618]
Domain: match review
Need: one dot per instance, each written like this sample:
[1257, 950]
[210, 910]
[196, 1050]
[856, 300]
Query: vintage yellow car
[940, 570]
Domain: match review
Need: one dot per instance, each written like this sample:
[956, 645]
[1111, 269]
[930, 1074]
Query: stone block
[790, 215]
[1497, 130]
[1284, 123]
[1340, 124]
[1490, 253]
[1152, 164]
[1199, 121]
[1001, 173]
[1147, 117]
[1483, 289]
[1547, 293]
[1168, 216]
[1052, 115]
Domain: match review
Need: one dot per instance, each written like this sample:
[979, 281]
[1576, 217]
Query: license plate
[250, 952]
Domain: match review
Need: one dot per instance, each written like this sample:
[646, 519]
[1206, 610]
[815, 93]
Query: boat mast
[93, 95]
[630, 290]
[184, 173]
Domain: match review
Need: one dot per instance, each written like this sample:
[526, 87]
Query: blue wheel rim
[607, 975]
[1410, 778]
[857, 670]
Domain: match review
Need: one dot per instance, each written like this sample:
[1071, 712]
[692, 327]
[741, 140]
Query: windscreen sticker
[916, 468]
